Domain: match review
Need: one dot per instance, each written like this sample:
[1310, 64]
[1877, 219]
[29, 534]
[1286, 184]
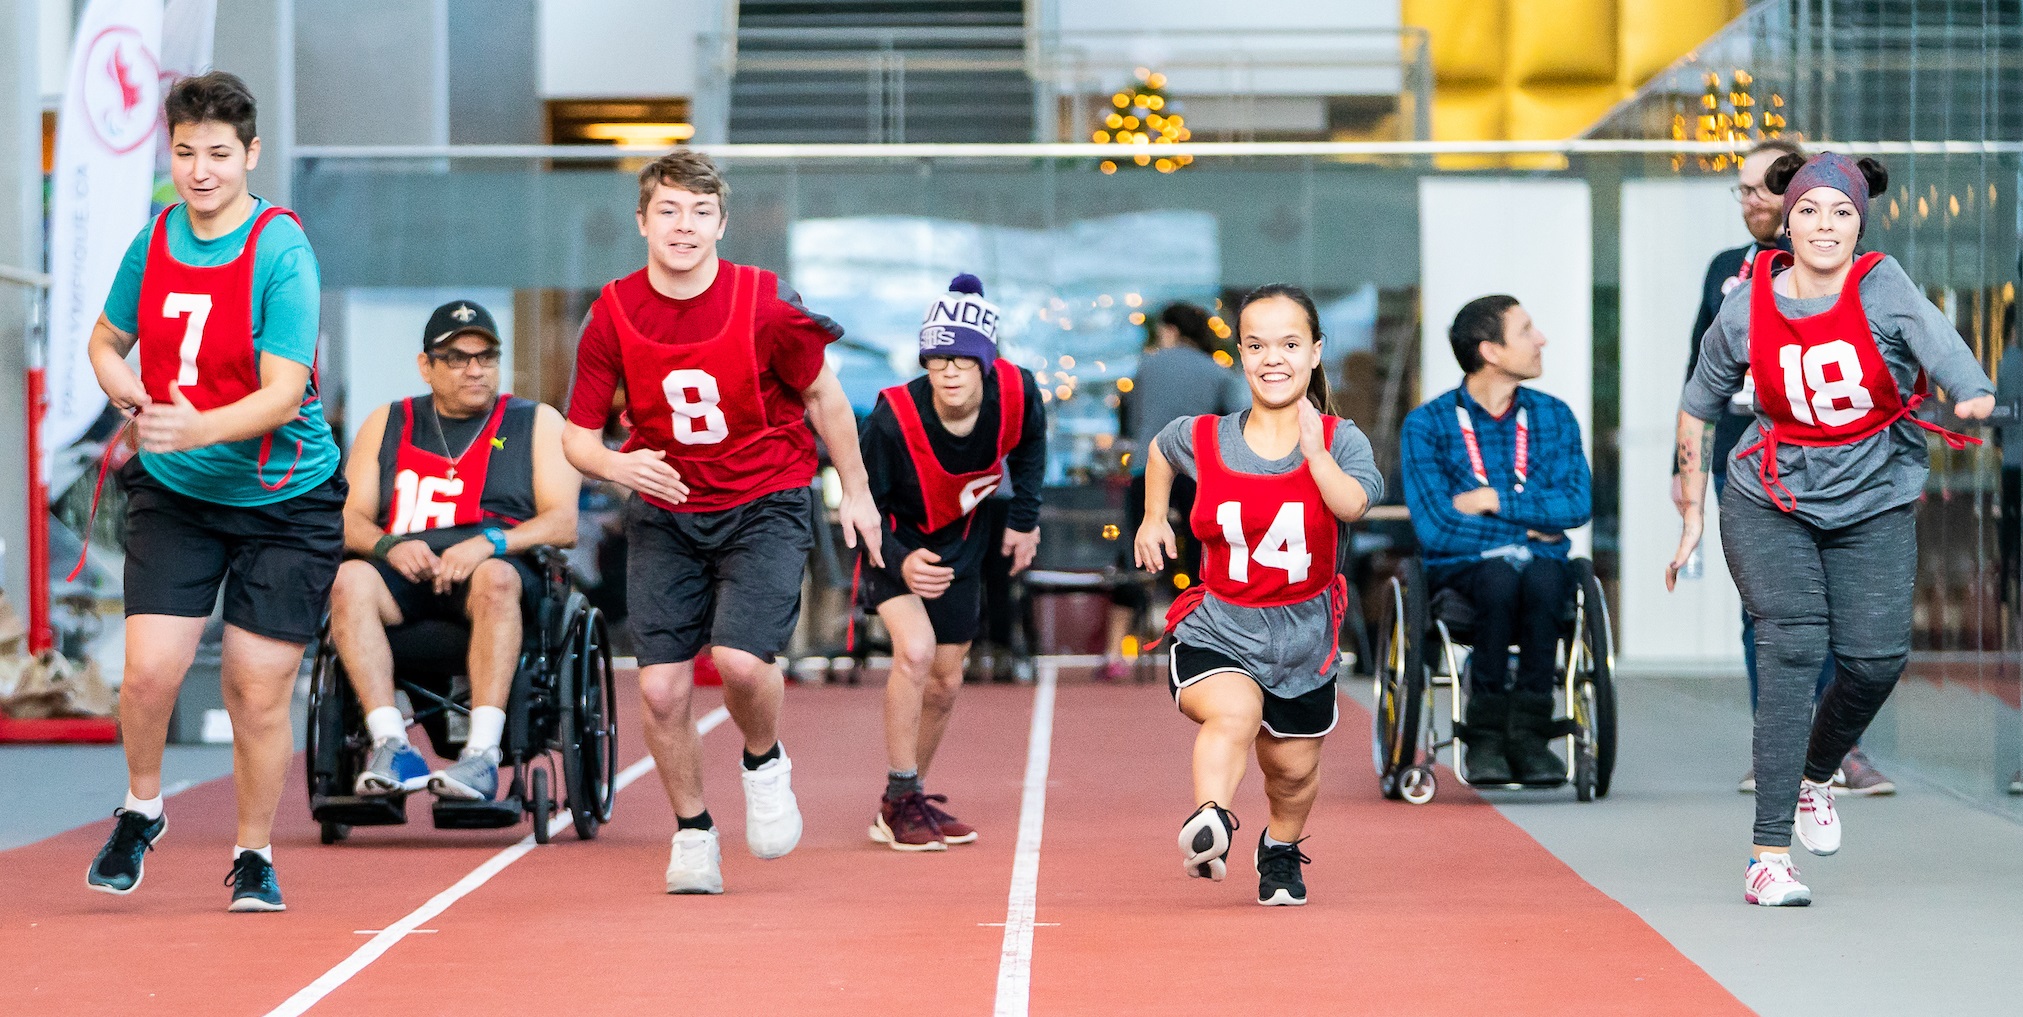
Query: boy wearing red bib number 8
[723, 373]
[236, 483]
[1822, 541]
[1254, 643]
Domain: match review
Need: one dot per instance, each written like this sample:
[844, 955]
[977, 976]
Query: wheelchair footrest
[455, 815]
[1563, 727]
[358, 810]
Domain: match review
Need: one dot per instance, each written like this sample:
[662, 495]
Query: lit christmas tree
[1143, 116]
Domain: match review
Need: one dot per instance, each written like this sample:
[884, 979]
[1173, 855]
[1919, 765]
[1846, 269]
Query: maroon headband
[1829, 169]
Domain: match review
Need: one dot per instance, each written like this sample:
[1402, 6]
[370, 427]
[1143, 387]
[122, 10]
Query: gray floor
[52, 788]
[1921, 912]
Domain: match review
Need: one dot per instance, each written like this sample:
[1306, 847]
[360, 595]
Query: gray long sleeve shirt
[1838, 485]
[1284, 646]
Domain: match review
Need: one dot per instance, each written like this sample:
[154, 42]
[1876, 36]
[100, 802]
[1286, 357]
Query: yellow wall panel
[1468, 113]
[1657, 32]
[1544, 112]
[1465, 36]
[1561, 40]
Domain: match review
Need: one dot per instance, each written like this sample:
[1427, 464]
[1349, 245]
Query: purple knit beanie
[1829, 169]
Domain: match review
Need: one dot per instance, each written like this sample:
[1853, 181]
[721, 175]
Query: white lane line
[314, 992]
[1015, 960]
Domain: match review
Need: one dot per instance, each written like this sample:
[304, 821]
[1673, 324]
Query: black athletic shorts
[276, 562]
[1309, 715]
[727, 578]
[420, 601]
[957, 614]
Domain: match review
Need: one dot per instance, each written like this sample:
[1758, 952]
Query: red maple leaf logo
[129, 93]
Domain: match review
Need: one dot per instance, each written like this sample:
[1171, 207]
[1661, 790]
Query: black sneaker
[1278, 873]
[118, 867]
[1204, 841]
[253, 885]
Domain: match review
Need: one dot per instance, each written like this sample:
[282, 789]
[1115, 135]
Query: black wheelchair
[562, 704]
[1422, 648]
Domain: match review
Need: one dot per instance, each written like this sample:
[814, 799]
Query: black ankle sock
[700, 821]
[754, 762]
[900, 783]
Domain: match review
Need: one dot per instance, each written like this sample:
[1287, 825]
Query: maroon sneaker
[953, 830]
[1113, 671]
[907, 824]
[1858, 776]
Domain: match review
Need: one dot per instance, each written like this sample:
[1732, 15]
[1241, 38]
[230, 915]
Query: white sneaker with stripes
[1773, 883]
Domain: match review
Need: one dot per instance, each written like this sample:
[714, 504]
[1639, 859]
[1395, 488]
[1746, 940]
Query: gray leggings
[1812, 591]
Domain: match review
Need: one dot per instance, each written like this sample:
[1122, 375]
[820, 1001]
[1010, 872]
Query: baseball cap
[961, 324]
[456, 318]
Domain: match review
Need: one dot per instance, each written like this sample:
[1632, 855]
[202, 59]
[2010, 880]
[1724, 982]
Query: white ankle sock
[149, 807]
[264, 852]
[1269, 842]
[488, 724]
[386, 722]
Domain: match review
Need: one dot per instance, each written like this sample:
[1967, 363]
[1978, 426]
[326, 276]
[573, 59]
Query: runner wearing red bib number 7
[1252, 647]
[935, 448]
[1823, 547]
[720, 369]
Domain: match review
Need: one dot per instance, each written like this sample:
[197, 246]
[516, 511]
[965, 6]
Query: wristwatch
[498, 538]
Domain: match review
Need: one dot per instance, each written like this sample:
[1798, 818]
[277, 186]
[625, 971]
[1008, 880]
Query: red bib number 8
[1807, 370]
[692, 395]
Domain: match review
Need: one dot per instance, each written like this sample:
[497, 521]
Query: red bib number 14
[1284, 545]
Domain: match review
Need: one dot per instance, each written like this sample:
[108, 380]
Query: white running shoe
[1773, 883]
[695, 865]
[1818, 825]
[1204, 842]
[772, 816]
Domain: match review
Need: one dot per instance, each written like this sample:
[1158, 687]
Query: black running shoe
[1278, 873]
[253, 885]
[118, 867]
[1204, 841]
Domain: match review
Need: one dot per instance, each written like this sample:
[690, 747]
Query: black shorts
[957, 614]
[276, 562]
[420, 601]
[727, 578]
[1309, 715]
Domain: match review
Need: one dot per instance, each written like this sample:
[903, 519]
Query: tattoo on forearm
[1706, 447]
[1685, 456]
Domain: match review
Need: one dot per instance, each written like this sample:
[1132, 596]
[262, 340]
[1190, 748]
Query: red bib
[697, 401]
[1820, 379]
[950, 496]
[433, 492]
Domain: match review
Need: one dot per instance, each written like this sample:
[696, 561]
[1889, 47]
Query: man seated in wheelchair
[1494, 474]
[452, 492]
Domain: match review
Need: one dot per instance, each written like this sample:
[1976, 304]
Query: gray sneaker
[394, 769]
[1858, 776]
[1747, 785]
[474, 778]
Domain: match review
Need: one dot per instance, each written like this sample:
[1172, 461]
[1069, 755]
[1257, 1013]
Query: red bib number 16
[692, 395]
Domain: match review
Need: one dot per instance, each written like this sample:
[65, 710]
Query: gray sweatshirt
[1838, 485]
[1285, 646]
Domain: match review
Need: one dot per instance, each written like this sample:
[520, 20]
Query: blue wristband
[498, 538]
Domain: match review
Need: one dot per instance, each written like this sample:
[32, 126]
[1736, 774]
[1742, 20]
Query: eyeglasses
[1746, 193]
[457, 360]
[942, 363]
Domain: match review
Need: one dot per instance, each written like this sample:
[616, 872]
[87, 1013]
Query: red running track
[1427, 909]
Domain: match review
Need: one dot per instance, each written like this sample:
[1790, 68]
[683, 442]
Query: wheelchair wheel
[589, 732]
[1595, 685]
[1400, 684]
[335, 832]
[333, 757]
[540, 805]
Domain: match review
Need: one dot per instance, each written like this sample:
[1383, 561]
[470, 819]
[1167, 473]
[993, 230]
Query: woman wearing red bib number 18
[1253, 648]
[1822, 542]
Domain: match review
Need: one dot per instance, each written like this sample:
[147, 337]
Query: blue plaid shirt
[1556, 495]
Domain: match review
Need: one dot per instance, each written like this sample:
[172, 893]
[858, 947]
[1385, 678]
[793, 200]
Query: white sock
[264, 852]
[488, 724]
[1270, 842]
[149, 807]
[386, 722]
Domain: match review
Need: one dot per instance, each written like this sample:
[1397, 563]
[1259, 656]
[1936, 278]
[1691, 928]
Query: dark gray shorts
[726, 578]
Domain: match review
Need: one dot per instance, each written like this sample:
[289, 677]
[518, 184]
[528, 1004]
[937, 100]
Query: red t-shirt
[790, 340]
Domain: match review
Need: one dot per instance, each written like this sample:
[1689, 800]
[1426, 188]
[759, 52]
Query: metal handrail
[24, 277]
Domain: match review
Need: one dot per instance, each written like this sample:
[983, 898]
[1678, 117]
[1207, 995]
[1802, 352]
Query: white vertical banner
[1671, 230]
[189, 28]
[1531, 239]
[105, 162]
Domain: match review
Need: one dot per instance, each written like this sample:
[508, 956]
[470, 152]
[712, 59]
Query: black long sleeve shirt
[1713, 290]
[896, 488]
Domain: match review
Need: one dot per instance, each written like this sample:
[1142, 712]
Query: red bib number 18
[1806, 370]
[692, 394]
[1284, 545]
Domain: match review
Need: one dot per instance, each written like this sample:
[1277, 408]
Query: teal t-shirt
[287, 308]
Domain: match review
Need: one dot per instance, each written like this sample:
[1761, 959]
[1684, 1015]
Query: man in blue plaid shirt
[1495, 475]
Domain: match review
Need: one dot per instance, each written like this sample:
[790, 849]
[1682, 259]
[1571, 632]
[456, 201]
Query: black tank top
[508, 497]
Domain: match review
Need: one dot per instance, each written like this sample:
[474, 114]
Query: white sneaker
[1818, 825]
[695, 865]
[1773, 883]
[772, 816]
